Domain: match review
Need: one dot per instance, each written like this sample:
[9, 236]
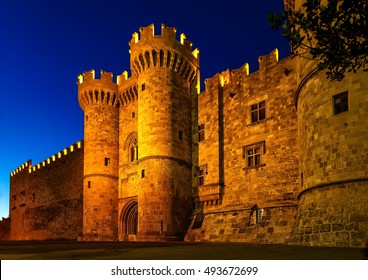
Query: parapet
[148, 50]
[92, 90]
[22, 167]
[266, 63]
[89, 76]
[31, 168]
[268, 60]
[167, 34]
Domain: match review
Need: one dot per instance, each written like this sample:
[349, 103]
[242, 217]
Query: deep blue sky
[45, 45]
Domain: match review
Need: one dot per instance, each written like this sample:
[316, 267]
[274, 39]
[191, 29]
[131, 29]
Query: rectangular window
[180, 135]
[341, 103]
[200, 132]
[256, 214]
[22, 198]
[107, 161]
[258, 111]
[202, 171]
[14, 200]
[143, 86]
[89, 184]
[143, 174]
[253, 154]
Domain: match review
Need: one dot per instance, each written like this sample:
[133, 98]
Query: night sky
[45, 45]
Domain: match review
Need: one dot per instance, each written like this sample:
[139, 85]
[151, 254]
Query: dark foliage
[334, 34]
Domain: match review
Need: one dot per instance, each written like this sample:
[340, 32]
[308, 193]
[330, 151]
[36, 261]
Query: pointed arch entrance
[129, 221]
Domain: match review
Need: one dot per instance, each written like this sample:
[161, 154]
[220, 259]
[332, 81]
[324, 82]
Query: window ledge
[254, 167]
[259, 122]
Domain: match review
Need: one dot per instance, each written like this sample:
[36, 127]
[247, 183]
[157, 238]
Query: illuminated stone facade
[256, 157]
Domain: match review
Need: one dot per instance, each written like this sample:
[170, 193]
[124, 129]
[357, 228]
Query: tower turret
[333, 137]
[166, 71]
[99, 101]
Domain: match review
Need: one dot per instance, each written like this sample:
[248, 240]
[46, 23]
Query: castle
[275, 156]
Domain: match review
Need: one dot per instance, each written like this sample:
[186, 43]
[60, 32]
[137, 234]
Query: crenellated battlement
[268, 59]
[266, 62]
[97, 91]
[167, 34]
[149, 50]
[22, 167]
[89, 76]
[61, 154]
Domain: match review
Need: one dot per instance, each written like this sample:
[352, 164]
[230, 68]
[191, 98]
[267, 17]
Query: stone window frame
[107, 161]
[340, 102]
[253, 154]
[257, 111]
[255, 216]
[202, 172]
[131, 147]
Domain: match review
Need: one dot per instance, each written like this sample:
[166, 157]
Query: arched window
[133, 150]
[131, 147]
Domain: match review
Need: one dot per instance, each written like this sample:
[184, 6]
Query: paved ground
[171, 251]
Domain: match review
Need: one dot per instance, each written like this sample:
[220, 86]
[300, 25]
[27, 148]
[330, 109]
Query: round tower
[333, 142]
[166, 70]
[98, 99]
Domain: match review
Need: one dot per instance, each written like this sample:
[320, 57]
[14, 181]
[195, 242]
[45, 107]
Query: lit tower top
[150, 50]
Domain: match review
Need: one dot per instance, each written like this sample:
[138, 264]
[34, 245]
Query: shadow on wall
[5, 229]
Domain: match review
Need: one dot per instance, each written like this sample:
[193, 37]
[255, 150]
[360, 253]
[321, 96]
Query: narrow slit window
[107, 161]
[200, 132]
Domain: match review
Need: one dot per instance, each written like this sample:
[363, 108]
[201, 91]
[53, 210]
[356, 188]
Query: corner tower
[333, 165]
[166, 71]
[99, 101]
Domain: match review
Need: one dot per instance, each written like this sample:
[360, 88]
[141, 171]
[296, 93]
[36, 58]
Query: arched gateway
[129, 221]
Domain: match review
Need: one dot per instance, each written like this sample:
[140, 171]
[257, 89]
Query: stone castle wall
[232, 188]
[257, 157]
[333, 162]
[47, 198]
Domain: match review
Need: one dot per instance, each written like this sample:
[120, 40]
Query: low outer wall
[47, 203]
[233, 226]
[335, 215]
